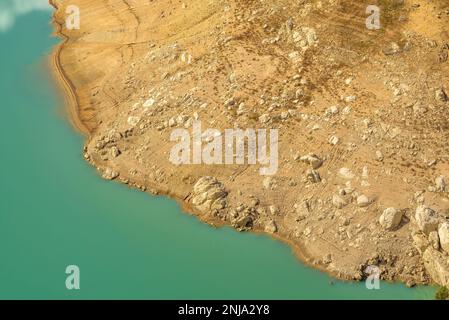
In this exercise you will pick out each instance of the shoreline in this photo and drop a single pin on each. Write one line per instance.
(62, 80)
(310, 252)
(72, 104)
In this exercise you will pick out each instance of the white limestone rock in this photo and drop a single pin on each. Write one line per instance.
(390, 218)
(443, 233)
(209, 195)
(426, 219)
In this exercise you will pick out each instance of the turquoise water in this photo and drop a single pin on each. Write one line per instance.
(56, 211)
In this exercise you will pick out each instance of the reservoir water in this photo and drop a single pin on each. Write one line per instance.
(56, 211)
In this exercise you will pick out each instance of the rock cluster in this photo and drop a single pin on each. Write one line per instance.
(432, 241)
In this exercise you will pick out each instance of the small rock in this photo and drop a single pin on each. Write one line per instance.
(307, 231)
(265, 118)
(254, 202)
(230, 102)
(244, 222)
(274, 210)
(350, 98)
(110, 174)
(379, 156)
(209, 194)
(327, 259)
(331, 111)
(363, 201)
(333, 140)
(172, 122)
(391, 49)
(440, 95)
(390, 218)
(269, 183)
(133, 121)
(346, 173)
(443, 233)
(313, 176)
(338, 202)
(114, 152)
(434, 240)
(149, 103)
(420, 242)
(271, 227)
(367, 123)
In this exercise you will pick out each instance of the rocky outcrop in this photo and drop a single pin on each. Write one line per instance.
(437, 266)
(433, 245)
(355, 135)
(209, 195)
(443, 233)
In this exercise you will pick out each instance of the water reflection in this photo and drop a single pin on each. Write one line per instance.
(11, 9)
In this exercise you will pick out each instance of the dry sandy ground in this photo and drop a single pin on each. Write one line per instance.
(362, 117)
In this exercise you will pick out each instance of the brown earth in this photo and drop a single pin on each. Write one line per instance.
(278, 64)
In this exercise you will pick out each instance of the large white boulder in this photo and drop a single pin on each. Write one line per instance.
(426, 219)
(209, 195)
(390, 218)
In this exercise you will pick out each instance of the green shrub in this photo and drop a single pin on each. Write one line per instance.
(442, 293)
